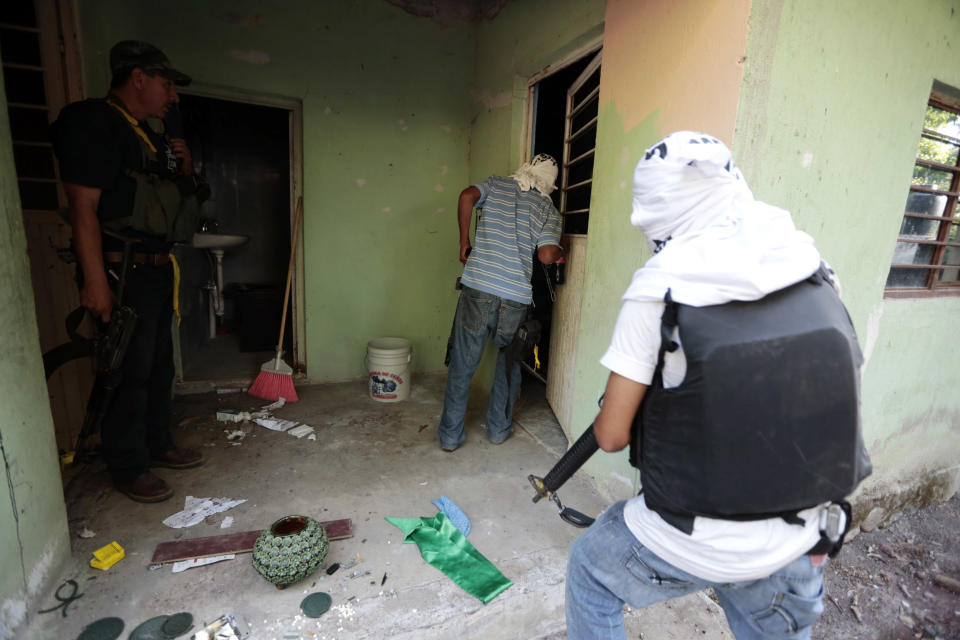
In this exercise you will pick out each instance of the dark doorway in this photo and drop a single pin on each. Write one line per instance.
(243, 151)
(549, 136)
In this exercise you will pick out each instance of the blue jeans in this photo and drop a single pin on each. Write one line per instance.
(480, 314)
(608, 567)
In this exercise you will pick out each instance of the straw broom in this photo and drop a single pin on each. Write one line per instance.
(275, 380)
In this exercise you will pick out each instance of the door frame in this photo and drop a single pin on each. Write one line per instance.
(295, 145)
(565, 61)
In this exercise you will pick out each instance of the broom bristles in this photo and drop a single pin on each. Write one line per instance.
(272, 386)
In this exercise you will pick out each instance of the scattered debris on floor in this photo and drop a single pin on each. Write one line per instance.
(235, 436)
(195, 510)
(276, 424)
(107, 556)
(303, 430)
(316, 604)
(229, 626)
(86, 533)
(183, 565)
(233, 415)
(274, 405)
(227, 522)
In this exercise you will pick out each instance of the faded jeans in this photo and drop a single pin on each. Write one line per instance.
(480, 314)
(608, 567)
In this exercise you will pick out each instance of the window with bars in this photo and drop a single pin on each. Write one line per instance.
(579, 146)
(926, 260)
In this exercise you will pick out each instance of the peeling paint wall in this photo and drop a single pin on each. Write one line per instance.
(666, 66)
(33, 525)
(386, 129)
(830, 114)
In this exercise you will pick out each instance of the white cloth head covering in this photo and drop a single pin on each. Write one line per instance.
(540, 174)
(712, 241)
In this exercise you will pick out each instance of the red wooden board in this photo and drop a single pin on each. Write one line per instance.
(232, 543)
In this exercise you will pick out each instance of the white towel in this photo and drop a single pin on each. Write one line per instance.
(713, 242)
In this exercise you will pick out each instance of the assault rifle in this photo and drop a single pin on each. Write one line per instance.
(108, 347)
(585, 446)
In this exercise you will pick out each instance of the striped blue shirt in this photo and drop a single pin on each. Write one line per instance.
(512, 224)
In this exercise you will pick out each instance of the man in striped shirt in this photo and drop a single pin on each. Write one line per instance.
(517, 217)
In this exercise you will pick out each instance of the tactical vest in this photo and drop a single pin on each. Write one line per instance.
(159, 207)
(766, 422)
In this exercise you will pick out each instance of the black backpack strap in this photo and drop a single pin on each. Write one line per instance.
(668, 322)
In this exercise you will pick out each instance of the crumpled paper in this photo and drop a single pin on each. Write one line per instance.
(195, 510)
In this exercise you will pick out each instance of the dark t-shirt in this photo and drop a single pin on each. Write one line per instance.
(94, 146)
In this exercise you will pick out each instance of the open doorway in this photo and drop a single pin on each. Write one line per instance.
(564, 125)
(231, 311)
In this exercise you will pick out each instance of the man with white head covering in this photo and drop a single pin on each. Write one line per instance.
(735, 381)
(517, 217)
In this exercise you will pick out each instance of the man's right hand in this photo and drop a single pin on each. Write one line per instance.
(95, 294)
(97, 297)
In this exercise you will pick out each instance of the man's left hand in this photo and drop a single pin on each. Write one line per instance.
(182, 151)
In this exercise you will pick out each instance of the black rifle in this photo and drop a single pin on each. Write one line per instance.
(585, 446)
(110, 349)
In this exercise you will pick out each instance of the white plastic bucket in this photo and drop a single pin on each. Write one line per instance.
(388, 361)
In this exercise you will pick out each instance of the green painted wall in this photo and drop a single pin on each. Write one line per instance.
(525, 38)
(33, 524)
(399, 115)
(386, 129)
(830, 114)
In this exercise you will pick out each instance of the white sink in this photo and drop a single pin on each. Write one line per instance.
(217, 240)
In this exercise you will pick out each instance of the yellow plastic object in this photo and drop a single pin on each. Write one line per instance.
(106, 557)
(67, 458)
(176, 286)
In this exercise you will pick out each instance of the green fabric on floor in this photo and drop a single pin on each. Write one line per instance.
(443, 546)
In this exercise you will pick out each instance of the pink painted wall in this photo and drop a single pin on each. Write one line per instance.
(682, 59)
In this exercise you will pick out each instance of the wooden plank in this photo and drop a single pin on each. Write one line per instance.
(232, 543)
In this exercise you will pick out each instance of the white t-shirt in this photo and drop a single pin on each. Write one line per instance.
(717, 550)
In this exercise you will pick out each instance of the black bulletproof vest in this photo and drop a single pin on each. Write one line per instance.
(766, 422)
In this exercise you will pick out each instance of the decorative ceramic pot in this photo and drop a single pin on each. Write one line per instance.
(290, 550)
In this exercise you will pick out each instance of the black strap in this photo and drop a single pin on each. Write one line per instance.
(828, 544)
(576, 518)
(668, 322)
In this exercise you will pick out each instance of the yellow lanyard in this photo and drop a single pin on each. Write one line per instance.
(133, 123)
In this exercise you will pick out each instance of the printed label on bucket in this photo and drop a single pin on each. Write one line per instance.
(383, 384)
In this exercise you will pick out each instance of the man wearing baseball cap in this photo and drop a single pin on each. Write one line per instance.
(124, 178)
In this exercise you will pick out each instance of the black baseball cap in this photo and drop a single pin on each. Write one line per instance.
(129, 54)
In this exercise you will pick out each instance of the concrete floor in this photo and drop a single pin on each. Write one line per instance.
(370, 460)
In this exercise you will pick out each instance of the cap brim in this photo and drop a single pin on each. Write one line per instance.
(178, 77)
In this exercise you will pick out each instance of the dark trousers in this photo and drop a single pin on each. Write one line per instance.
(136, 426)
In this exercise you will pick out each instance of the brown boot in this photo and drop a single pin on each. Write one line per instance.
(146, 488)
(179, 458)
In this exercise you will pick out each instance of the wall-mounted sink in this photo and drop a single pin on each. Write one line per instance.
(218, 240)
